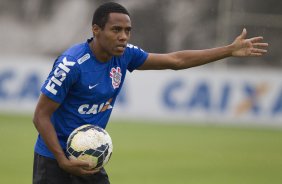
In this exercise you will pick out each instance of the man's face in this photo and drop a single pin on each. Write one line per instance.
(113, 38)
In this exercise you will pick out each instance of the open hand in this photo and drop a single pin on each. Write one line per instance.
(248, 47)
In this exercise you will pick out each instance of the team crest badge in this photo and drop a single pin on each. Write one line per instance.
(115, 74)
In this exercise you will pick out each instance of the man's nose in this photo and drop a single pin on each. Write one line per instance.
(123, 36)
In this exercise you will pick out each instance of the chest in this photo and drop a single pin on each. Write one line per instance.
(99, 86)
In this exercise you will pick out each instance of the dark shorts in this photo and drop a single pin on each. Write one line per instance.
(47, 171)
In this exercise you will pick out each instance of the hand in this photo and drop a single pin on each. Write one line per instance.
(77, 167)
(248, 47)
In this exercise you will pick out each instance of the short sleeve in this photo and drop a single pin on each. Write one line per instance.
(64, 74)
(137, 57)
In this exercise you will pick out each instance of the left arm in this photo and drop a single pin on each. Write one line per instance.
(241, 47)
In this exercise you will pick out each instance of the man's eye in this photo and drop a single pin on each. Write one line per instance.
(116, 30)
(127, 30)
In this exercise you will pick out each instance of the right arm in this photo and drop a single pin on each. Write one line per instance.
(42, 121)
(241, 47)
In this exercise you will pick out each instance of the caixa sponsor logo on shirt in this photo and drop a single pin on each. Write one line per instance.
(95, 108)
(59, 76)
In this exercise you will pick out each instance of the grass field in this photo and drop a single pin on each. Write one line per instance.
(151, 153)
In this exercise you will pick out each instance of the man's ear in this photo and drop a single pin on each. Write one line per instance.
(95, 30)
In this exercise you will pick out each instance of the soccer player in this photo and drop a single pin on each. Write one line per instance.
(86, 79)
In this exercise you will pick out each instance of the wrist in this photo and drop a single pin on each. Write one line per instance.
(230, 50)
(61, 159)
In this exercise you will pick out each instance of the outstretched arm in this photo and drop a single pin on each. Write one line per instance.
(241, 47)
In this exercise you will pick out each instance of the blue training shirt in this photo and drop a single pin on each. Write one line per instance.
(85, 88)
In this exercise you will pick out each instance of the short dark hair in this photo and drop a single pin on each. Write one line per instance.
(101, 14)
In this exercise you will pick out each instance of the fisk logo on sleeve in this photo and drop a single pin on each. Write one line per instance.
(59, 76)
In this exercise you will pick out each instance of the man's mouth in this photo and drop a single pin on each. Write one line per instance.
(121, 47)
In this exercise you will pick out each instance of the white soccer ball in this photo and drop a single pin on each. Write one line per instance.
(90, 143)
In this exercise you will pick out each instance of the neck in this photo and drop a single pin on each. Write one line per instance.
(101, 55)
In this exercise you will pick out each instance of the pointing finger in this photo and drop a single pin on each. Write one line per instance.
(255, 39)
(260, 44)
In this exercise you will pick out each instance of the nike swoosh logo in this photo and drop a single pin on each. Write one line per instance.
(91, 87)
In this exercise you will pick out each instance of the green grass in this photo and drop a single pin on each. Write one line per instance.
(152, 153)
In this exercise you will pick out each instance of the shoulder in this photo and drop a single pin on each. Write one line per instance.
(74, 56)
(133, 51)
(77, 52)
(133, 48)
(135, 57)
